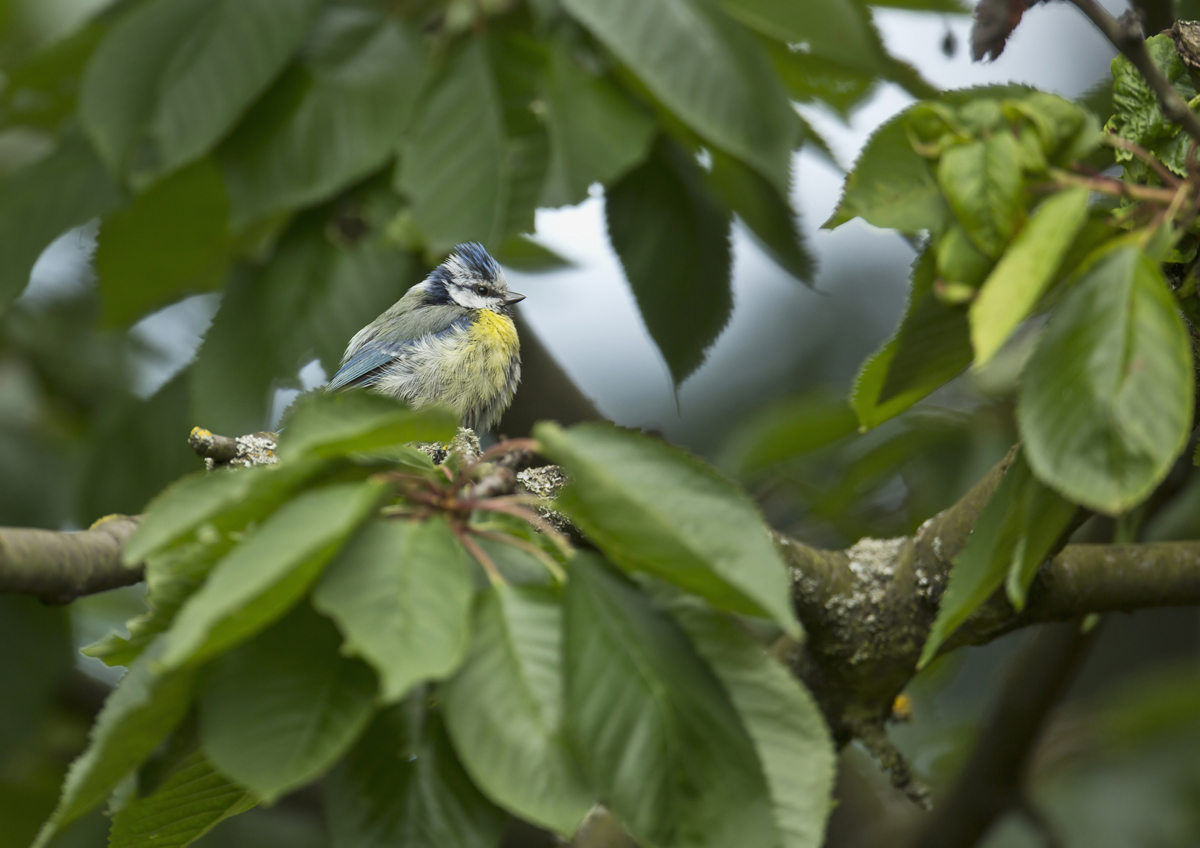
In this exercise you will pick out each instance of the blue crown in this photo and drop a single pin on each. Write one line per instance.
(477, 261)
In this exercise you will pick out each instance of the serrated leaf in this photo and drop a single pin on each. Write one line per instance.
(281, 709)
(714, 76)
(38, 203)
(1030, 263)
(334, 116)
(930, 347)
(672, 239)
(1105, 405)
(171, 241)
(401, 594)
(653, 728)
(192, 800)
(144, 707)
(403, 785)
(339, 423)
(504, 709)
(651, 507)
(765, 212)
(982, 181)
(784, 722)
(172, 77)
(597, 133)
(1138, 116)
(268, 571)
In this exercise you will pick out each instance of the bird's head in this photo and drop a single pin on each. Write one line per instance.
(471, 278)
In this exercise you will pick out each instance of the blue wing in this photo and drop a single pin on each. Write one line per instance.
(365, 367)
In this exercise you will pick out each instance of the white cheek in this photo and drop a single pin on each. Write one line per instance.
(468, 298)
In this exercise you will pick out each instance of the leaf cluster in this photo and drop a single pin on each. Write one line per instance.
(356, 615)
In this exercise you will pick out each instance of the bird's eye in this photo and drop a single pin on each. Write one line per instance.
(481, 290)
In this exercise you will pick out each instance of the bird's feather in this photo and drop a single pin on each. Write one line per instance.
(363, 368)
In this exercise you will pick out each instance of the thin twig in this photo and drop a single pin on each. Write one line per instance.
(489, 567)
(560, 541)
(528, 547)
(1126, 35)
(1164, 173)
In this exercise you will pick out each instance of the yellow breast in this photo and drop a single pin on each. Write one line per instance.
(494, 331)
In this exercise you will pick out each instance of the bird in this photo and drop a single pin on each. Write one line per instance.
(449, 340)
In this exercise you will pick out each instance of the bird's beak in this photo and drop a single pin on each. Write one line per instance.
(513, 297)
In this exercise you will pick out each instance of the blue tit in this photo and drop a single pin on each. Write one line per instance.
(449, 340)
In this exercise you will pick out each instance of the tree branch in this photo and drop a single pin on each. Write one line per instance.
(60, 567)
(1126, 35)
(991, 782)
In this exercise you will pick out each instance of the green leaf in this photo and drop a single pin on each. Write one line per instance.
(401, 593)
(192, 800)
(268, 571)
(982, 181)
(523, 254)
(1047, 515)
(42, 91)
(651, 507)
(810, 78)
(403, 785)
(171, 241)
(1106, 402)
(950, 7)
(281, 709)
(143, 708)
(1139, 118)
(228, 498)
(891, 185)
(714, 76)
(335, 115)
(452, 167)
(36, 660)
(597, 133)
(765, 212)
(931, 346)
(504, 710)
(43, 200)
(335, 424)
(654, 730)
(672, 238)
(172, 77)
(783, 720)
(980, 567)
(1025, 270)
(785, 430)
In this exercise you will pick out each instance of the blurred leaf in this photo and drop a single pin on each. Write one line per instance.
(960, 261)
(282, 708)
(765, 212)
(43, 200)
(335, 116)
(42, 90)
(654, 730)
(785, 430)
(452, 167)
(931, 346)
(401, 594)
(35, 657)
(403, 785)
(192, 800)
(951, 7)
(268, 571)
(811, 78)
(143, 708)
(672, 238)
(1025, 270)
(336, 424)
(891, 185)
(518, 63)
(1106, 402)
(505, 714)
(783, 720)
(172, 77)
(523, 254)
(597, 134)
(138, 446)
(714, 76)
(230, 383)
(651, 507)
(982, 181)
(171, 241)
